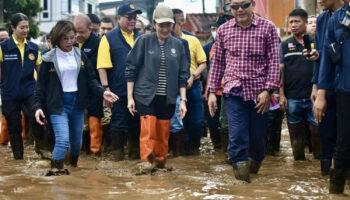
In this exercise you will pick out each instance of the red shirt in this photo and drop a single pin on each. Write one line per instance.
(246, 57)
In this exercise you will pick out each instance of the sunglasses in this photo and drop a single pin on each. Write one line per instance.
(243, 5)
(130, 17)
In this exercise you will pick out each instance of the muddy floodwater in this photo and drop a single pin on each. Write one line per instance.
(193, 177)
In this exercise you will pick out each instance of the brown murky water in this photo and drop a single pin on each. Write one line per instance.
(195, 177)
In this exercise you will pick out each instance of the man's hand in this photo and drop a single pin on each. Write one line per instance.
(313, 55)
(313, 93)
(190, 82)
(212, 103)
(109, 98)
(319, 108)
(263, 102)
(283, 103)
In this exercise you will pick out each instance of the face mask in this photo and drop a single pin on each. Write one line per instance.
(213, 33)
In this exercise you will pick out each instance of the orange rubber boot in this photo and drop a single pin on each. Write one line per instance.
(95, 126)
(161, 150)
(148, 138)
(4, 136)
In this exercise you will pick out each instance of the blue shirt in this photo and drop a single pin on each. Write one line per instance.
(321, 28)
(328, 74)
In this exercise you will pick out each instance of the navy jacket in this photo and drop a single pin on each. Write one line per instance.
(327, 74)
(17, 81)
(90, 48)
(119, 49)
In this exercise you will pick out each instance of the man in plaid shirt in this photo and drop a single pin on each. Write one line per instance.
(247, 57)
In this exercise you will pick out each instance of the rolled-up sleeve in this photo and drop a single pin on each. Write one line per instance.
(326, 74)
(273, 58)
(135, 60)
(218, 63)
(184, 72)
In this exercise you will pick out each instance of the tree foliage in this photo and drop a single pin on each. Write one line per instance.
(31, 8)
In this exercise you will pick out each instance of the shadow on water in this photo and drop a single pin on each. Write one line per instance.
(194, 177)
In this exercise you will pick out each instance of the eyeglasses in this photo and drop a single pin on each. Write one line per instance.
(130, 17)
(68, 39)
(243, 5)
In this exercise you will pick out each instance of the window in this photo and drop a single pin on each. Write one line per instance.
(89, 8)
(45, 13)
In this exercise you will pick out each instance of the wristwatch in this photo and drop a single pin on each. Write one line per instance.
(105, 86)
(183, 99)
(269, 91)
(194, 75)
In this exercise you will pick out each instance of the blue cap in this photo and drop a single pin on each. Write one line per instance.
(127, 9)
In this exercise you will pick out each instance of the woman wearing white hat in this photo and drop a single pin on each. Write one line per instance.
(157, 72)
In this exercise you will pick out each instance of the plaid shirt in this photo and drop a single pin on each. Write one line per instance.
(246, 57)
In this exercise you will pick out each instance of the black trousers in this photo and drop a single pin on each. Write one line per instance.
(342, 147)
(158, 108)
(12, 111)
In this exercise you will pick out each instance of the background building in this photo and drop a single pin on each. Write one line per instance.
(55, 10)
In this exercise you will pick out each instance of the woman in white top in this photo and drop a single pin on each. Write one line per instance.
(65, 78)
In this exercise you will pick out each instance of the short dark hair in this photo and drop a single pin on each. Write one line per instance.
(299, 12)
(94, 19)
(3, 29)
(60, 30)
(148, 27)
(107, 20)
(177, 11)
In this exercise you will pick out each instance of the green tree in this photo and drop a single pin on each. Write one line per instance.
(31, 8)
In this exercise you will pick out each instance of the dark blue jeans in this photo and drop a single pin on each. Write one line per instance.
(194, 119)
(328, 129)
(68, 127)
(247, 130)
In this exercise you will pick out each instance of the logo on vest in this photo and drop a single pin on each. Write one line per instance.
(132, 6)
(173, 52)
(87, 50)
(82, 64)
(31, 56)
(52, 70)
(151, 52)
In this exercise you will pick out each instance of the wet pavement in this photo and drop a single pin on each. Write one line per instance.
(193, 177)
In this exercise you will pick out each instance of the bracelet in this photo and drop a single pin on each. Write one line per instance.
(185, 100)
(105, 86)
(194, 75)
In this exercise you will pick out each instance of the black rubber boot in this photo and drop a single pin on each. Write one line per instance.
(337, 181)
(16, 146)
(241, 171)
(325, 166)
(178, 143)
(118, 142)
(315, 141)
(215, 138)
(57, 168)
(73, 160)
(296, 133)
(254, 166)
(134, 144)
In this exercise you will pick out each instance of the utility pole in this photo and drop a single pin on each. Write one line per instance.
(203, 6)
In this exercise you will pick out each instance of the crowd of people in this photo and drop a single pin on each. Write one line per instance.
(102, 88)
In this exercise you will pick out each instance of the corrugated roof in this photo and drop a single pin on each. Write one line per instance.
(199, 24)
